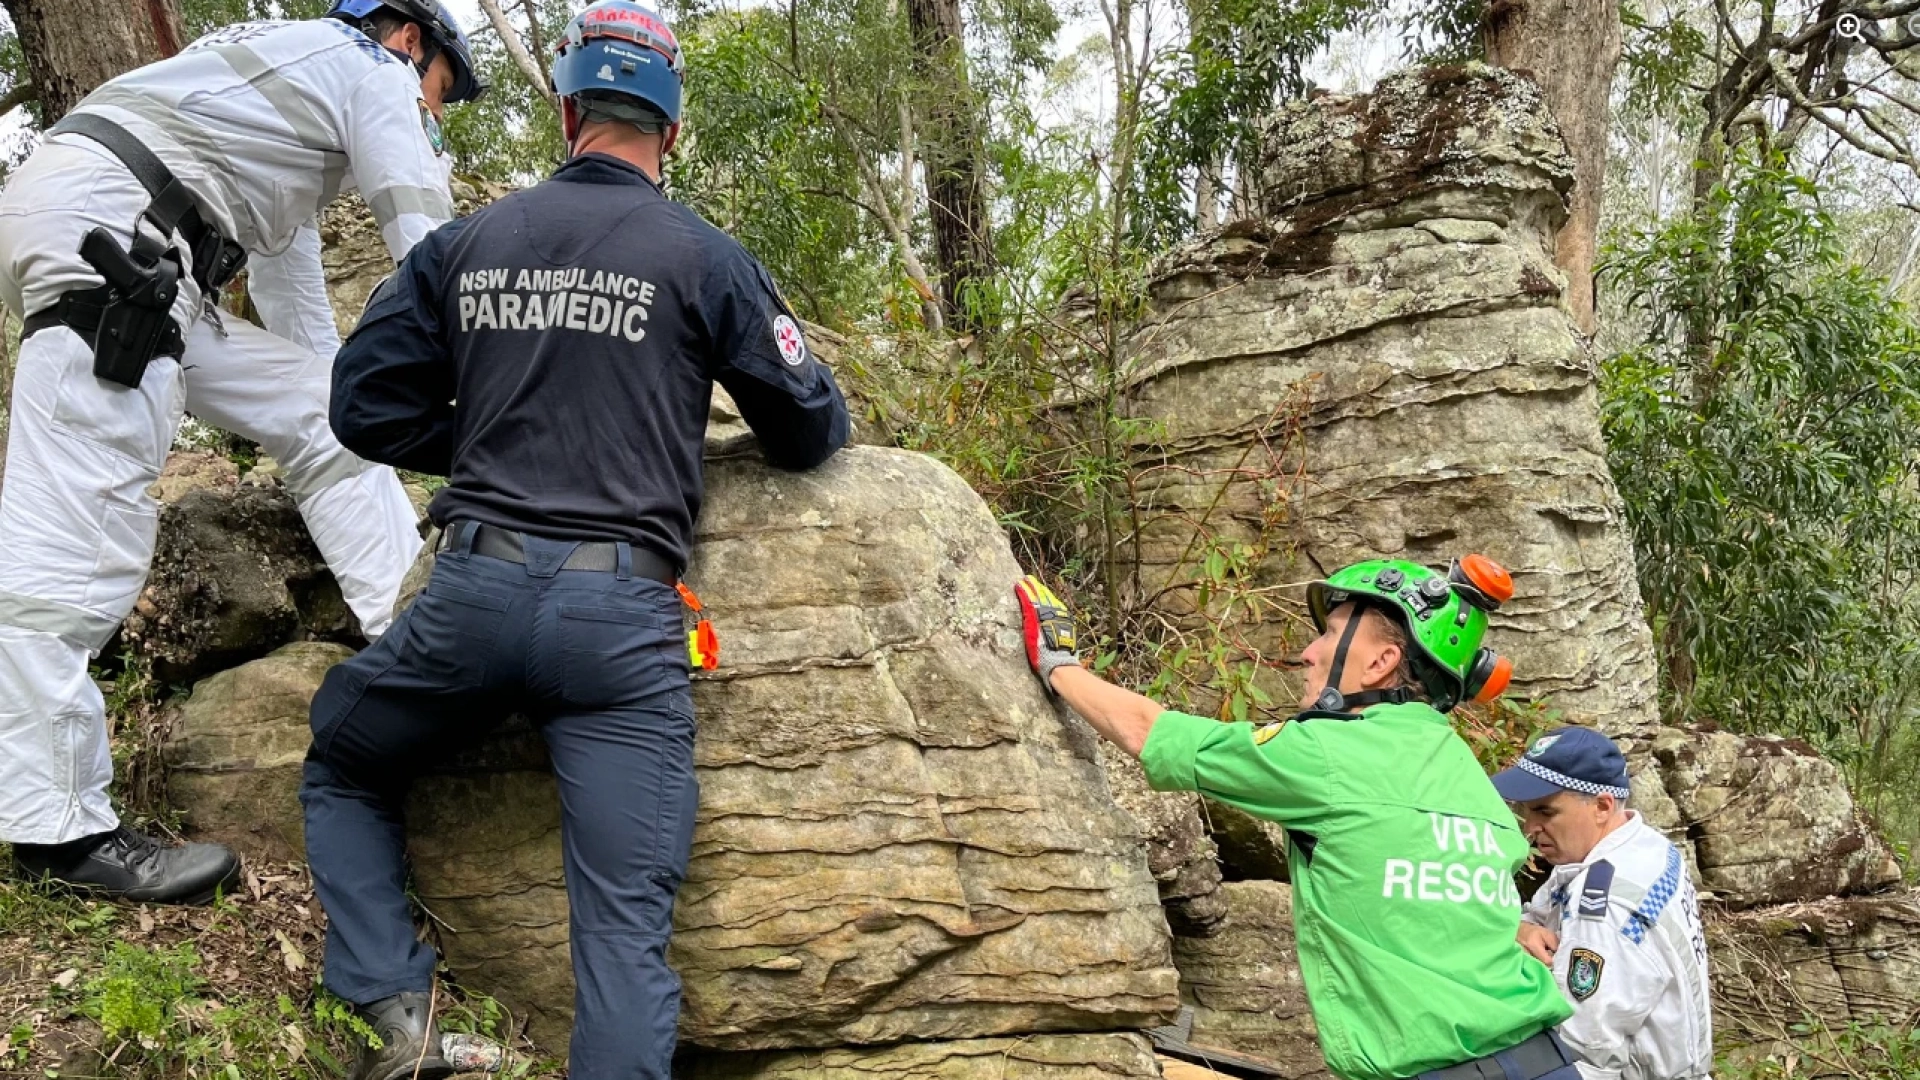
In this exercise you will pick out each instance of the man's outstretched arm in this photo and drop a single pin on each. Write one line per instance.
(1278, 772)
(1122, 716)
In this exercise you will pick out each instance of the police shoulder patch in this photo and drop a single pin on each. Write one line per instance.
(431, 125)
(1583, 973)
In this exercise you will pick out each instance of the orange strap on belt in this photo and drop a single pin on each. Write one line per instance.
(703, 645)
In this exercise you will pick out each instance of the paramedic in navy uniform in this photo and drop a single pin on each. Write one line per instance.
(553, 355)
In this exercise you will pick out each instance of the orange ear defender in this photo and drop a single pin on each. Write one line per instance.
(1483, 579)
(1490, 675)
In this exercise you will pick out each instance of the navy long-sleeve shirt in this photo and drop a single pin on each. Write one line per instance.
(554, 355)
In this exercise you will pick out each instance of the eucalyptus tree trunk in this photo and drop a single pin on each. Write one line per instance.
(72, 46)
(1569, 47)
(953, 149)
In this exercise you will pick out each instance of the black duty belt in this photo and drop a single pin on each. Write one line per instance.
(215, 258)
(601, 555)
(1534, 1058)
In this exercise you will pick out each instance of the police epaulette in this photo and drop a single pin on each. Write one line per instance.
(1593, 894)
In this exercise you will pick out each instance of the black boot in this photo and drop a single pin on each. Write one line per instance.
(133, 866)
(409, 1048)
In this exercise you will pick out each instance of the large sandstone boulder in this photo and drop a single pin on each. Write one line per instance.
(1180, 855)
(898, 838)
(1243, 983)
(1835, 961)
(235, 574)
(1763, 820)
(1032, 1057)
(235, 747)
(1381, 366)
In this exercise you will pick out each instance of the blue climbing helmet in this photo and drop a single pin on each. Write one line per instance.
(620, 47)
(443, 34)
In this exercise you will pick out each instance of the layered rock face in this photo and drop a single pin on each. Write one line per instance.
(1837, 961)
(899, 838)
(1381, 365)
(1243, 983)
(1033, 1057)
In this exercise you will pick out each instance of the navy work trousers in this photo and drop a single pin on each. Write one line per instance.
(599, 660)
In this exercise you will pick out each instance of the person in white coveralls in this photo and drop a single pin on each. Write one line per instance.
(115, 237)
(1618, 920)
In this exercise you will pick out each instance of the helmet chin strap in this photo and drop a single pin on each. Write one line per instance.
(1331, 700)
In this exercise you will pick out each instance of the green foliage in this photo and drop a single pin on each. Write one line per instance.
(1662, 61)
(1242, 58)
(1440, 31)
(142, 990)
(1859, 1051)
(1763, 435)
(761, 163)
(156, 1007)
(510, 136)
(203, 16)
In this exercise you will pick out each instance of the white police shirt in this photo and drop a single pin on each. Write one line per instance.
(1632, 958)
(266, 122)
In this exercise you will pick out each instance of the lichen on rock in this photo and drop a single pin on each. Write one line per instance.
(1768, 819)
(234, 576)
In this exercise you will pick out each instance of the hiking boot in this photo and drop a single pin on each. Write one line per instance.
(409, 1048)
(130, 865)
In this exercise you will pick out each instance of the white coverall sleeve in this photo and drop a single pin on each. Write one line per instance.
(290, 291)
(1613, 983)
(393, 160)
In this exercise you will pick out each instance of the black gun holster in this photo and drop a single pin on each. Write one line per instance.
(129, 320)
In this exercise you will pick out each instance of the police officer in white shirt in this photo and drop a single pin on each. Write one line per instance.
(115, 238)
(1618, 919)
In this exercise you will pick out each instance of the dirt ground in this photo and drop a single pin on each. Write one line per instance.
(229, 991)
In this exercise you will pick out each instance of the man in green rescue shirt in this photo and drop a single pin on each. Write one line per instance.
(1402, 854)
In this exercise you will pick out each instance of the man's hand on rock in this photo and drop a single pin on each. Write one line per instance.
(1540, 942)
(1048, 627)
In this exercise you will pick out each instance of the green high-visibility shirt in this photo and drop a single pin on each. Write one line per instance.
(1404, 906)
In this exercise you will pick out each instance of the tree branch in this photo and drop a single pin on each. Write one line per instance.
(1784, 82)
(517, 49)
(22, 93)
(540, 46)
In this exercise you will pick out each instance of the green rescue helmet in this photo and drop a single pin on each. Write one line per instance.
(1445, 617)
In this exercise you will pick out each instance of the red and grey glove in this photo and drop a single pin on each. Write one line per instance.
(1048, 628)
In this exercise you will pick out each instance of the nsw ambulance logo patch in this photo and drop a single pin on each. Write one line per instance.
(1583, 973)
(793, 347)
